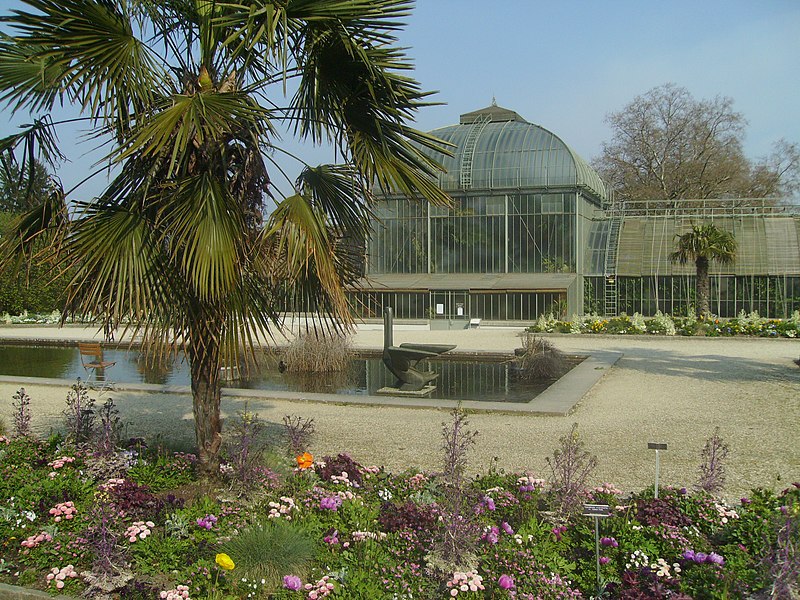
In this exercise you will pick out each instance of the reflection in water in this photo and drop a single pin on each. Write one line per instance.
(41, 361)
(155, 369)
(467, 380)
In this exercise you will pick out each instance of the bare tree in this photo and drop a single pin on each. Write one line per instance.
(669, 146)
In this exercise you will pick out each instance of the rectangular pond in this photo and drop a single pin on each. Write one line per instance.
(460, 378)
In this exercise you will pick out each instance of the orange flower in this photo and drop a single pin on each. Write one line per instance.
(305, 461)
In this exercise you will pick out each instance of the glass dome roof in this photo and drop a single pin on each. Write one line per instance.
(495, 148)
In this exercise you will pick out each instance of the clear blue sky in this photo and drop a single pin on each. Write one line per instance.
(565, 64)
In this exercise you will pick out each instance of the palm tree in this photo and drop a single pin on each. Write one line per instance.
(187, 96)
(701, 245)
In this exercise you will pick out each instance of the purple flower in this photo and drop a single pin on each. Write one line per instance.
(332, 538)
(558, 531)
(507, 528)
(609, 541)
(292, 582)
(492, 536)
(206, 522)
(745, 501)
(489, 502)
(330, 503)
(700, 557)
(715, 559)
(604, 560)
(506, 582)
(689, 555)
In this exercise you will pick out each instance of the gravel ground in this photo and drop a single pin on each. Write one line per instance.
(672, 390)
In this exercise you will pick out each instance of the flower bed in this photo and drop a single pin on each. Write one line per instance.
(660, 324)
(135, 523)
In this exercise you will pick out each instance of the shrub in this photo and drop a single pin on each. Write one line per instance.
(108, 434)
(661, 324)
(335, 466)
(539, 360)
(454, 547)
(318, 354)
(135, 500)
(661, 511)
(420, 518)
(544, 324)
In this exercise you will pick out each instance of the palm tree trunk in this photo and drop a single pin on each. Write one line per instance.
(204, 358)
(703, 286)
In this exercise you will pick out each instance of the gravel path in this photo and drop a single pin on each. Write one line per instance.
(673, 390)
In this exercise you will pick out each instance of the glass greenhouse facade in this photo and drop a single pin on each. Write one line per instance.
(510, 246)
(765, 277)
(530, 232)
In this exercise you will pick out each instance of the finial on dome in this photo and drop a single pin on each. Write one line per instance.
(494, 101)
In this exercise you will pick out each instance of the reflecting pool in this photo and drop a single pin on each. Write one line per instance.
(489, 381)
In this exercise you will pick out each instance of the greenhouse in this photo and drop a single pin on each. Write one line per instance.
(532, 231)
(631, 271)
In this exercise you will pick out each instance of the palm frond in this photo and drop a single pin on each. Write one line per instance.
(298, 246)
(183, 123)
(90, 48)
(205, 226)
(47, 223)
(28, 78)
(354, 93)
(38, 140)
(119, 268)
(705, 241)
(339, 192)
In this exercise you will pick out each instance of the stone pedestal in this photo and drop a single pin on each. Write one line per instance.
(425, 392)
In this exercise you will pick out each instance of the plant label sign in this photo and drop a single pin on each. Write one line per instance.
(596, 510)
(655, 446)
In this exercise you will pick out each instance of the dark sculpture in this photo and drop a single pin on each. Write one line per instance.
(402, 360)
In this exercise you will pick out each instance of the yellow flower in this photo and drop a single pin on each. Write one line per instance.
(225, 561)
(305, 461)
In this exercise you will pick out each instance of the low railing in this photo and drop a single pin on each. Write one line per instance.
(707, 207)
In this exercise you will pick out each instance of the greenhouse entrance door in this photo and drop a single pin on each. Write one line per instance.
(449, 309)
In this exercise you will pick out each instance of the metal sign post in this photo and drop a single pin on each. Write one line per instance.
(597, 512)
(657, 447)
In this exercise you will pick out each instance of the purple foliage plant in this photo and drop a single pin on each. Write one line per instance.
(108, 434)
(298, 433)
(784, 559)
(571, 466)
(246, 446)
(454, 548)
(79, 414)
(22, 414)
(712, 468)
(110, 569)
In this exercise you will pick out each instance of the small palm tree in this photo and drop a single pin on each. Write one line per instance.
(188, 97)
(701, 245)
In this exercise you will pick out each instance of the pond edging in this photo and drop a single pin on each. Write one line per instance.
(15, 592)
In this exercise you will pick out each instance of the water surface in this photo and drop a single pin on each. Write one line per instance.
(458, 379)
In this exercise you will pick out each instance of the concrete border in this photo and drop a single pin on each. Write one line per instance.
(15, 592)
(557, 400)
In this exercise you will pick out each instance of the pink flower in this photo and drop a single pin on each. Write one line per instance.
(506, 582)
(292, 582)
